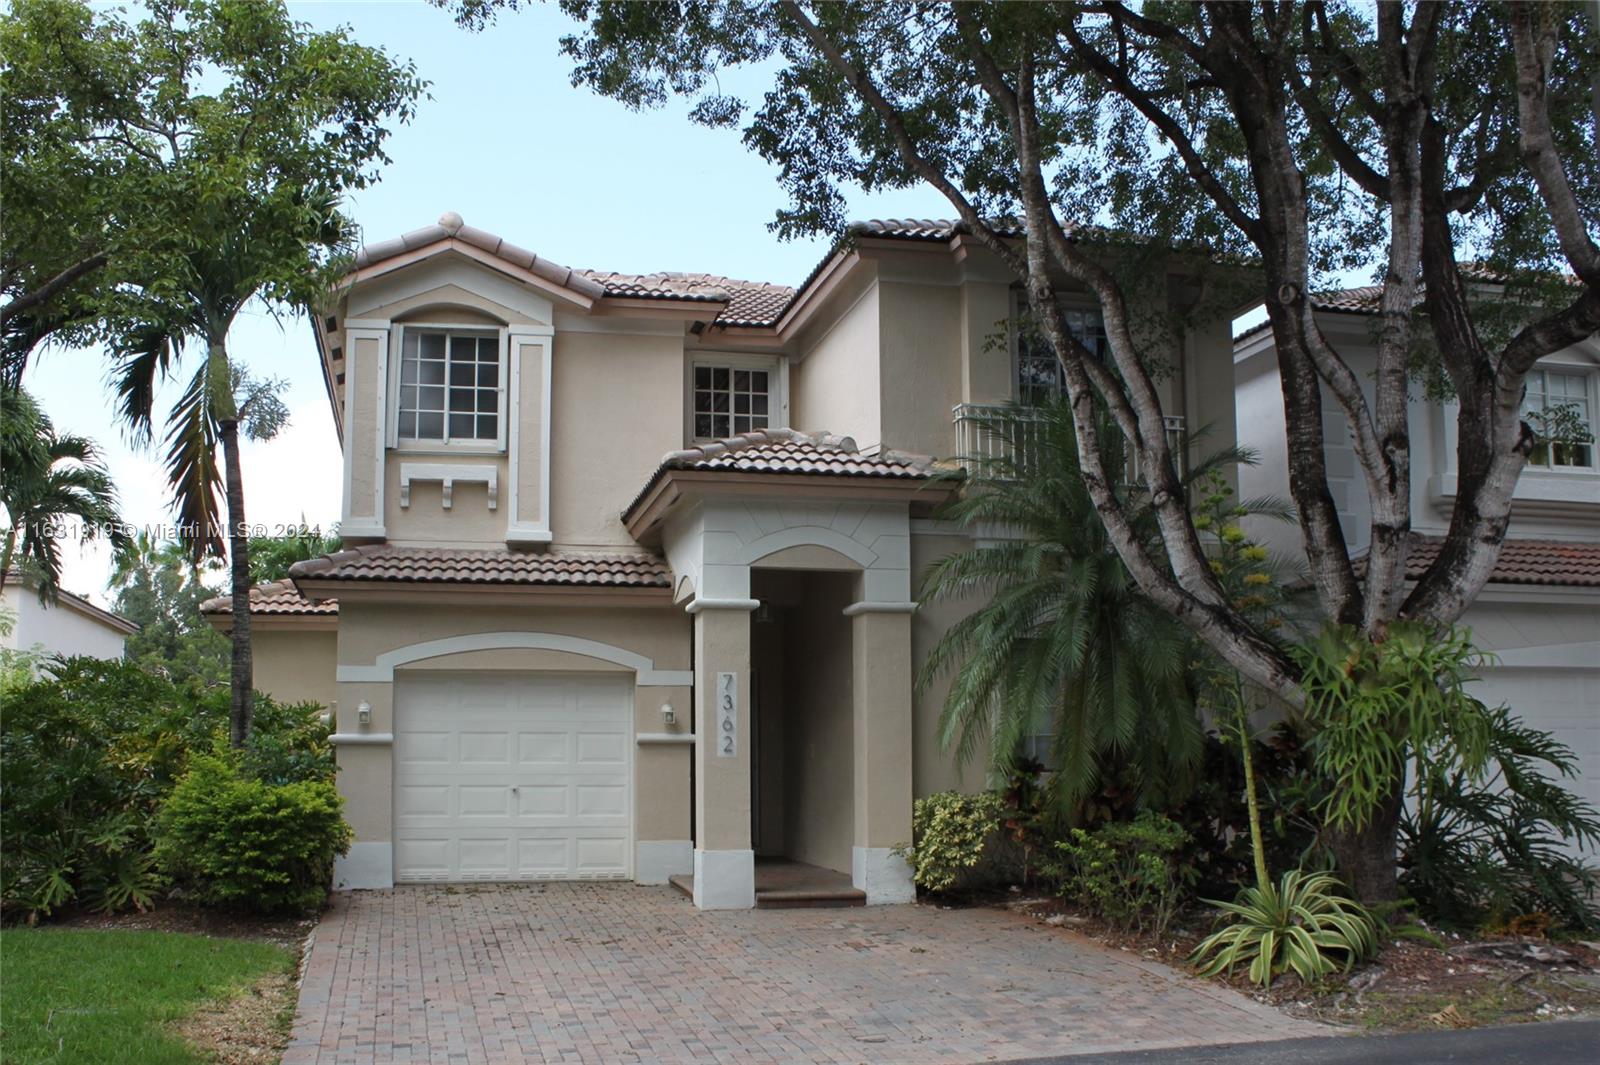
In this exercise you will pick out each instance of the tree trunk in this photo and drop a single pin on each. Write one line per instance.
(5, 558)
(1368, 857)
(242, 711)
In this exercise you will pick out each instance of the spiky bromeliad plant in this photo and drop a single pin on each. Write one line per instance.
(1305, 923)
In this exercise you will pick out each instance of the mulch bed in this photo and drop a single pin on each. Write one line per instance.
(1409, 986)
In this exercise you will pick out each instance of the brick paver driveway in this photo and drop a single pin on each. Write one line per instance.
(620, 973)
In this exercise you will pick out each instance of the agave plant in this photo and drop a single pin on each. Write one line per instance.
(1305, 923)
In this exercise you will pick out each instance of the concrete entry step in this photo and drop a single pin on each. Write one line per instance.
(784, 885)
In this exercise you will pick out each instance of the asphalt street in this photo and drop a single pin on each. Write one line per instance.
(1577, 1042)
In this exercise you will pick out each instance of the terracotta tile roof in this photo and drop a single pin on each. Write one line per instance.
(749, 302)
(789, 451)
(925, 228)
(1365, 298)
(450, 226)
(441, 565)
(277, 598)
(1550, 562)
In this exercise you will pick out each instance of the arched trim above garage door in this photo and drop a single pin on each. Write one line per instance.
(382, 670)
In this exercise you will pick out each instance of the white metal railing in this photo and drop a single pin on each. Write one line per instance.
(987, 432)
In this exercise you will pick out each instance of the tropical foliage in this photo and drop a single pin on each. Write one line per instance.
(1303, 924)
(271, 556)
(951, 834)
(53, 486)
(1485, 850)
(90, 753)
(241, 842)
(159, 586)
(1132, 873)
(1062, 642)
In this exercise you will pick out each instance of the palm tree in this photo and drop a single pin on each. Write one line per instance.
(1064, 642)
(48, 478)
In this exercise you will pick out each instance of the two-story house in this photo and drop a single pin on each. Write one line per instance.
(630, 584)
(1540, 613)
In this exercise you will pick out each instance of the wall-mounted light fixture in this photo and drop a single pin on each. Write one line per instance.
(669, 716)
(364, 712)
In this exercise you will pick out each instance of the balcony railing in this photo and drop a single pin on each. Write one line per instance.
(986, 433)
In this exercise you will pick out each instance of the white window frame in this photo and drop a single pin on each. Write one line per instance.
(447, 446)
(1019, 306)
(775, 367)
(1591, 380)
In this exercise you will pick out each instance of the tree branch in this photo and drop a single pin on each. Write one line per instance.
(1533, 56)
(53, 287)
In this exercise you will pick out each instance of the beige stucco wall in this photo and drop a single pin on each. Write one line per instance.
(617, 407)
(835, 385)
(362, 385)
(986, 357)
(921, 339)
(933, 768)
(819, 741)
(425, 522)
(296, 666)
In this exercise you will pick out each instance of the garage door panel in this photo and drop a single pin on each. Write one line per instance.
(599, 855)
(544, 748)
(423, 748)
(425, 859)
(500, 778)
(485, 748)
(419, 800)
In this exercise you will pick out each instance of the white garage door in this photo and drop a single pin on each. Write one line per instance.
(512, 777)
(1562, 702)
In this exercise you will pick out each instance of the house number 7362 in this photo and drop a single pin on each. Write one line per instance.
(727, 715)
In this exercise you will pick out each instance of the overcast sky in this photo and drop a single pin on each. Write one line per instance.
(511, 145)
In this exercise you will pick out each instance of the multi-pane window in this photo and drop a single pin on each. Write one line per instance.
(729, 400)
(449, 386)
(1039, 376)
(1559, 407)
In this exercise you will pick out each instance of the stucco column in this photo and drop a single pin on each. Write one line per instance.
(365, 754)
(882, 694)
(724, 863)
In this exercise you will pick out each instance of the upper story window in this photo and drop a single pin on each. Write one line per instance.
(1039, 375)
(1560, 406)
(450, 386)
(729, 399)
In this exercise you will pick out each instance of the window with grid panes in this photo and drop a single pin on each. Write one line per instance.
(1039, 376)
(449, 386)
(729, 400)
(1559, 407)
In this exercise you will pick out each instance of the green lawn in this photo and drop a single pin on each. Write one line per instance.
(85, 996)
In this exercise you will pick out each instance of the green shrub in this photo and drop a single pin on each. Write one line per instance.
(244, 843)
(951, 832)
(87, 754)
(1305, 923)
(1129, 872)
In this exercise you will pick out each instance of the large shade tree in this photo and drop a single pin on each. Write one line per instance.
(235, 131)
(1313, 137)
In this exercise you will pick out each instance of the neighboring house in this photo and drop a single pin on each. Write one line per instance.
(1540, 613)
(69, 626)
(555, 653)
